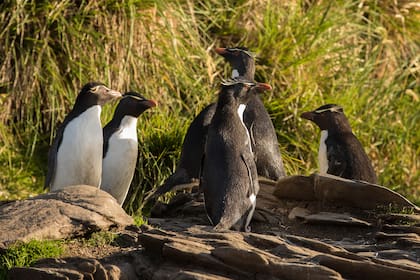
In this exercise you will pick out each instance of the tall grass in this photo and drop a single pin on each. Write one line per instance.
(361, 55)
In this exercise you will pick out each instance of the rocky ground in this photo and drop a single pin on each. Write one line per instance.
(304, 228)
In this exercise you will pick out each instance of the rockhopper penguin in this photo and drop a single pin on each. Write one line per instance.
(75, 157)
(256, 118)
(340, 152)
(120, 145)
(229, 176)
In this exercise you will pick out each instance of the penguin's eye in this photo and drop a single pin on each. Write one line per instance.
(94, 89)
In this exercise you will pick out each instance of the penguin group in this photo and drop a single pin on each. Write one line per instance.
(228, 145)
(84, 153)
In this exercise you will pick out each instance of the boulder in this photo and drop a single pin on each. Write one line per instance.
(73, 211)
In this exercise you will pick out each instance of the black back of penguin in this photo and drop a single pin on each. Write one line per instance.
(340, 151)
(229, 177)
(120, 145)
(67, 163)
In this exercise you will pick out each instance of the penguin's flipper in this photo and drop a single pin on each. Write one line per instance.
(252, 191)
(52, 157)
(251, 134)
(200, 172)
(337, 160)
(248, 160)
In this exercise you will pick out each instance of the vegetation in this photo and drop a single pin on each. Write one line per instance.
(362, 55)
(25, 254)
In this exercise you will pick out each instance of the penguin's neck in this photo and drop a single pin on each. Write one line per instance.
(322, 153)
(128, 128)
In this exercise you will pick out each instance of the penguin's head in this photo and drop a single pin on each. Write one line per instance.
(97, 94)
(328, 117)
(134, 104)
(239, 90)
(241, 60)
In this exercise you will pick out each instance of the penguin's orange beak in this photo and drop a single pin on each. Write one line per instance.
(263, 87)
(220, 51)
(151, 103)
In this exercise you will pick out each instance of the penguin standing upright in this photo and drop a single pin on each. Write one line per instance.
(340, 152)
(120, 145)
(256, 118)
(229, 175)
(75, 157)
(265, 144)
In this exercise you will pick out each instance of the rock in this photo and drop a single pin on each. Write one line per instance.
(335, 218)
(298, 213)
(383, 235)
(71, 212)
(354, 269)
(402, 228)
(290, 240)
(393, 217)
(329, 188)
(295, 187)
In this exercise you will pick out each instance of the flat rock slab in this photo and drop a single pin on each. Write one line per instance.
(71, 212)
(335, 218)
(329, 188)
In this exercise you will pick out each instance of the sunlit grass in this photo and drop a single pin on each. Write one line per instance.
(25, 254)
(361, 55)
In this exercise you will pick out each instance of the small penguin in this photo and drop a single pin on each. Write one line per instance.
(340, 152)
(120, 145)
(229, 175)
(75, 157)
(257, 120)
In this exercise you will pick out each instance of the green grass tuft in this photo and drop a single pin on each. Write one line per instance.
(101, 238)
(25, 254)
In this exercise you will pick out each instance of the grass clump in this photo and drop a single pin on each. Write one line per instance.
(100, 238)
(25, 254)
(361, 55)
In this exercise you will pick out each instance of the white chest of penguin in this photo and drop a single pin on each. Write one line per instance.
(121, 156)
(80, 153)
(322, 153)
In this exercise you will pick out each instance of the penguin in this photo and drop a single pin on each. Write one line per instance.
(75, 157)
(257, 120)
(188, 169)
(241, 61)
(229, 177)
(120, 145)
(265, 143)
(340, 152)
